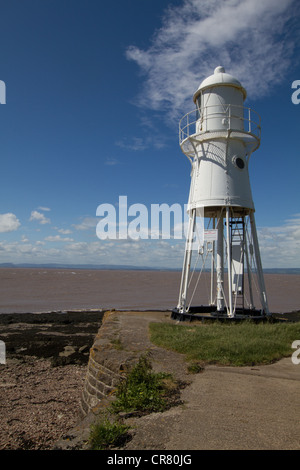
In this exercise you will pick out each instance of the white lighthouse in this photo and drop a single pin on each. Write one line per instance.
(218, 137)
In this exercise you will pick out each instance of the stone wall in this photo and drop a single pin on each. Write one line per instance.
(108, 362)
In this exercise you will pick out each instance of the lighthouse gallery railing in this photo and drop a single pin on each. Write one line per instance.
(230, 117)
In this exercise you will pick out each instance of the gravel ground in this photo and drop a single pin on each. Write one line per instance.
(39, 403)
(42, 380)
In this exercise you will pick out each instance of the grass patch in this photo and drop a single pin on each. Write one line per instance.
(238, 344)
(142, 389)
(195, 368)
(106, 434)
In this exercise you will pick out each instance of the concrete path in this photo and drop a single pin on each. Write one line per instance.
(240, 409)
(224, 407)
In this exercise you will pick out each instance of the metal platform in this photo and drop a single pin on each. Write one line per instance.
(202, 313)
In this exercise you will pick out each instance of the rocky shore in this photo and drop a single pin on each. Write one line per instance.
(42, 379)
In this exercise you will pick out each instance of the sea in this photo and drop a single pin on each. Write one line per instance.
(33, 290)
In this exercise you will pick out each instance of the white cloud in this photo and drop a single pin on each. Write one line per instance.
(280, 246)
(132, 143)
(39, 217)
(8, 222)
(86, 224)
(111, 162)
(158, 253)
(64, 231)
(58, 238)
(153, 138)
(45, 209)
(252, 39)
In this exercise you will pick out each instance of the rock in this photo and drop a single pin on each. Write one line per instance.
(84, 349)
(68, 351)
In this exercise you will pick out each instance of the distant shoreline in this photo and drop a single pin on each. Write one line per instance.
(106, 267)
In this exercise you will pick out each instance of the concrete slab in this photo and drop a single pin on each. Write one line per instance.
(224, 407)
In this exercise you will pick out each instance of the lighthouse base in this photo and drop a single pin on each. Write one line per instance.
(208, 312)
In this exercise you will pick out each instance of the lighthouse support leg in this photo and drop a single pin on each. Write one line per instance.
(251, 305)
(261, 282)
(229, 267)
(186, 263)
(220, 265)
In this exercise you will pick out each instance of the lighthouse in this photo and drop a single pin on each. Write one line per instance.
(219, 136)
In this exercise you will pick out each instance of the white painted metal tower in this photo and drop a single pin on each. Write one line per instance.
(218, 137)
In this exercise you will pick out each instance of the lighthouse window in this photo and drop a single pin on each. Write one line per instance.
(239, 162)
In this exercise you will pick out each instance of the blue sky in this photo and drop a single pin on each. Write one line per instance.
(94, 93)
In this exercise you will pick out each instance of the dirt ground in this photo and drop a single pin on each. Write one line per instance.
(42, 380)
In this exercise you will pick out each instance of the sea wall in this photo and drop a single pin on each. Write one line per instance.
(108, 362)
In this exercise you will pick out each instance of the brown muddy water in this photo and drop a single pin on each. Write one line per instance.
(43, 290)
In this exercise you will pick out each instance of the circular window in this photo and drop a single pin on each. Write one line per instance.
(239, 162)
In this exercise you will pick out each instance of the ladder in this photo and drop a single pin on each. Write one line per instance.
(237, 240)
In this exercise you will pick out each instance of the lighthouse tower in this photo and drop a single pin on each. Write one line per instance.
(218, 137)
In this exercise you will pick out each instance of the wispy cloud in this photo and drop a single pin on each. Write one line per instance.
(63, 230)
(86, 223)
(253, 39)
(58, 238)
(111, 161)
(134, 143)
(39, 217)
(154, 138)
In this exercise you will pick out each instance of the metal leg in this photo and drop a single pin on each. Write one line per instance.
(248, 270)
(262, 288)
(212, 269)
(230, 313)
(186, 263)
(220, 265)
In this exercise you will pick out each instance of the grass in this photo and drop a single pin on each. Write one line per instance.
(106, 434)
(142, 389)
(237, 344)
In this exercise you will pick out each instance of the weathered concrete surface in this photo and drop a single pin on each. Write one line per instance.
(230, 409)
(224, 407)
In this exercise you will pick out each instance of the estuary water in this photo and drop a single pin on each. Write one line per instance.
(41, 290)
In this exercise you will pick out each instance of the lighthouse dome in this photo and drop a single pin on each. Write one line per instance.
(221, 78)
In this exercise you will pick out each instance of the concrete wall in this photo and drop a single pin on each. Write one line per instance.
(108, 362)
